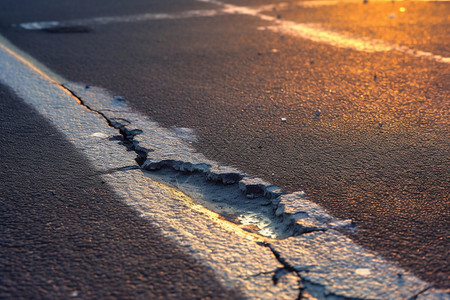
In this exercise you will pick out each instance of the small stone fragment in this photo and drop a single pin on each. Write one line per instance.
(98, 134)
(74, 294)
(363, 271)
(318, 113)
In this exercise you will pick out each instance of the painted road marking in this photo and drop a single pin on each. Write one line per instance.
(119, 19)
(324, 264)
(313, 32)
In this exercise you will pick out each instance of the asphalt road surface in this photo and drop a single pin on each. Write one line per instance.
(66, 234)
(366, 134)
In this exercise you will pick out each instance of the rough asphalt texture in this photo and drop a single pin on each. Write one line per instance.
(378, 154)
(64, 234)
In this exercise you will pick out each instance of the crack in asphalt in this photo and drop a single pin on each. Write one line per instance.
(226, 178)
(127, 139)
(126, 135)
(250, 187)
(286, 269)
(420, 293)
(312, 289)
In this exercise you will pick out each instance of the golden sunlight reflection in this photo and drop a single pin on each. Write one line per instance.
(241, 230)
(399, 23)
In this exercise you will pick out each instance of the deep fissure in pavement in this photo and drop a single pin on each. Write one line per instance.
(255, 214)
(252, 204)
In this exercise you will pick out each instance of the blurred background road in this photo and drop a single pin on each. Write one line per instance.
(291, 92)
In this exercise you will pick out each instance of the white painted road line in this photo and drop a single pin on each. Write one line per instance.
(119, 19)
(315, 33)
(325, 264)
(318, 34)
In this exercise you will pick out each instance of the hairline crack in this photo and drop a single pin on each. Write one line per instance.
(126, 134)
